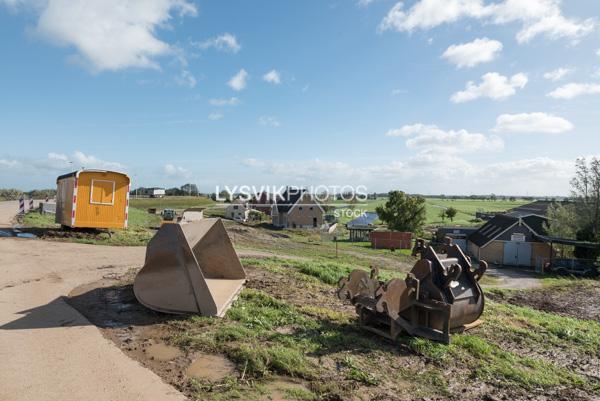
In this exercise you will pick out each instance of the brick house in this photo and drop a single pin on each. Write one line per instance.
(296, 208)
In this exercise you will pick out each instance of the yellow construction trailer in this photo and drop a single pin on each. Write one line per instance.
(92, 199)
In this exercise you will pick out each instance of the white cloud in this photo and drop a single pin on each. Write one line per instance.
(238, 81)
(493, 86)
(598, 52)
(572, 90)
(232, 101)
(186, 78)
(559, 73)
(175, 171)
(470, 54)
(215, 116)
(272, 77)
(364, 3)
(269, 121)
(532, 123)
(62, 162)
(89, 161)
(226, 42)
(430, 138)
(397, 92)
(252, 162)
(450, 173)
(541, 175)
(538, 17)
(7, 163)
(108, 34)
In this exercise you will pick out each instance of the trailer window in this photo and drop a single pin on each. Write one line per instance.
(102, 192)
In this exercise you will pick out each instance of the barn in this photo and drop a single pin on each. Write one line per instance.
(92, 199)
(513, 239)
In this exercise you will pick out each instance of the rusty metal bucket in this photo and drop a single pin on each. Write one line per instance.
(190, 268)
(438, 297)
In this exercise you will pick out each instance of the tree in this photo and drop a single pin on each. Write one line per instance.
(225, 195)
(562, 223)
(173, 192)
(451, 213)
(402, 212)
(586, 193)
(443, 214)
(189, 189)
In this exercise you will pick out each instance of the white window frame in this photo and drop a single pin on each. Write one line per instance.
(112, 203)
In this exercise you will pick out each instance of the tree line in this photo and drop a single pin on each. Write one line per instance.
(15, 194)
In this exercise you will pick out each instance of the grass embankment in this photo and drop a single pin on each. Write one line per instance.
(141, 228)
(309, 244)
(519, 350)
(328, 272)
(171, 202)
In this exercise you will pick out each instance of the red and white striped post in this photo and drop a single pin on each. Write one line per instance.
(127, 206)
(74, 202)
(30, 204)
(21, 206)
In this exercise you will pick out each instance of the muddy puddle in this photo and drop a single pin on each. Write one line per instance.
(213, 368)
(141, 333)
(162, 352)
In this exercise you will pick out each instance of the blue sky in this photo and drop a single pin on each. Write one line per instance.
(428, 96)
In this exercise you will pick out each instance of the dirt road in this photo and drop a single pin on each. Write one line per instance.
(49, 351)
(512, 278)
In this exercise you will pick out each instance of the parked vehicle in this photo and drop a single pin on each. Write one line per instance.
(565, 267)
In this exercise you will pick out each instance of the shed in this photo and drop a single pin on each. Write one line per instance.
(92, 199)
(361, 227)
(511, 240)
(391, 240)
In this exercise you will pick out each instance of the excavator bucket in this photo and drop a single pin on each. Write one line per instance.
(190, 268)
(441, 295)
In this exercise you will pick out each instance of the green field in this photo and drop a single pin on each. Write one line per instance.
(171, 202)
(466, 209)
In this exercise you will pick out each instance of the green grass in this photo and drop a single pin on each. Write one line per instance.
(139, 232)
(248, 336)
(171, 202)
(328, 272)
(466, 209)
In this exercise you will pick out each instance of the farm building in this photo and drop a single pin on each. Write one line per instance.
(156, 192)
(238, 211)
(391, 240)
(297, 209)
(263, 203)
(92, 199)
(361, 227)
(459, 235)
(511, 239)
